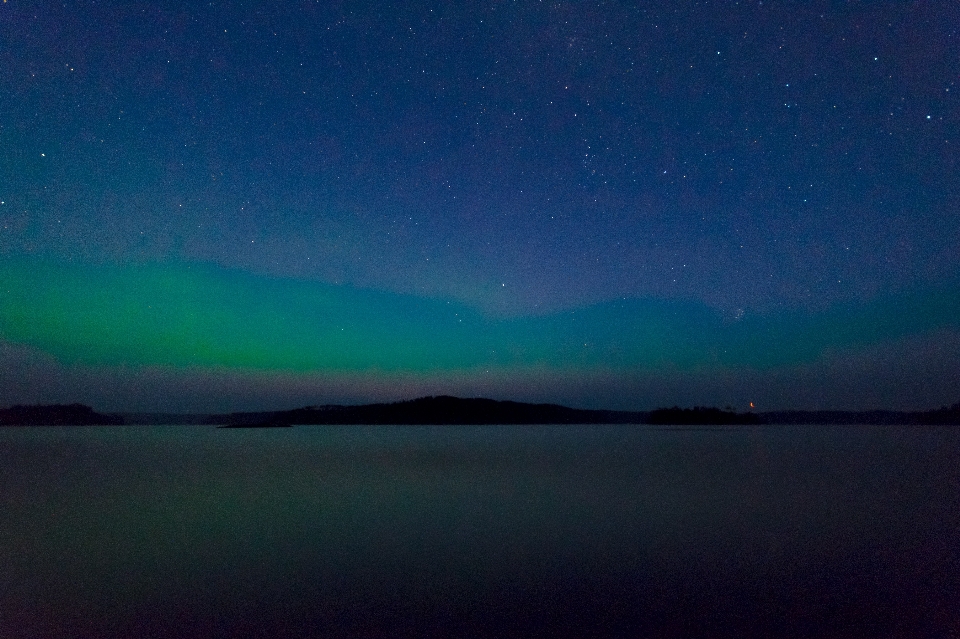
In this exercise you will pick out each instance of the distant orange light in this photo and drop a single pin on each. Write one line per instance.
(751, 404)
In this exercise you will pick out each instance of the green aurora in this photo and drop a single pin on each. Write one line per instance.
(202, 316)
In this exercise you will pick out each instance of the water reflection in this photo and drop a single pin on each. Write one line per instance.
(479, 531)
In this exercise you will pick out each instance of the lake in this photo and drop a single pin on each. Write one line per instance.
(479, 531)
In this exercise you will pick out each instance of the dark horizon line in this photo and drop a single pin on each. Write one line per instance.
(445, 409)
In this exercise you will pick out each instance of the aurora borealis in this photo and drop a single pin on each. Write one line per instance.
(208, 321)
(230, 206)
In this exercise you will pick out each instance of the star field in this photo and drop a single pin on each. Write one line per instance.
(753, 165)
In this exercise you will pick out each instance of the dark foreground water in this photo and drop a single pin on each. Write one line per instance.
(605, 531)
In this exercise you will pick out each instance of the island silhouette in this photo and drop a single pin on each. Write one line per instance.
(447, 410)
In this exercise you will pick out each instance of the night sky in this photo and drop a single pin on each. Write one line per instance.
(245, 205)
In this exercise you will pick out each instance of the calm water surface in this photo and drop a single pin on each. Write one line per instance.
(490, 531)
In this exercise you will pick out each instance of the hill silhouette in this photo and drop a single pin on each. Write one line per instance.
(434, 411)
(453, 410)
